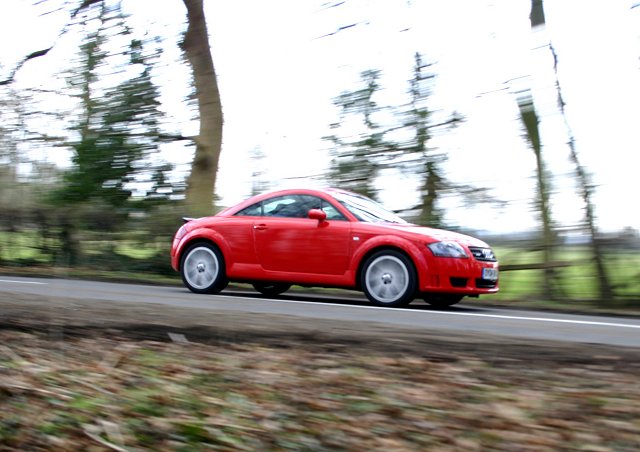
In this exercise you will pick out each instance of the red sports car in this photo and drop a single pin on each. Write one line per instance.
(331, 238)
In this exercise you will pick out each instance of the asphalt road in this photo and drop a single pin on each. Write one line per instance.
(462, 318)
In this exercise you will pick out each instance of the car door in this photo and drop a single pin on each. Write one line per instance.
(287, 240)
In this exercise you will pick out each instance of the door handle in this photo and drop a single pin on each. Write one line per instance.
(260, 227)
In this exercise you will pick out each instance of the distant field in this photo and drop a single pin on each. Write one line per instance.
(577, 280)
(29, 246)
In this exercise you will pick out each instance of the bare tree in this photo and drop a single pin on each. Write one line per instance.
(530, 120)
(201, 182)
(586, 188)
(583, 179)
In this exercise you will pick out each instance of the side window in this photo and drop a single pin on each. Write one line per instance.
(313, 202)
(291, 206)
(254, 210)
(332, 212)
(284, 206)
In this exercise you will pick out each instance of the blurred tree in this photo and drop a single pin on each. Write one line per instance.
(537, 14)
(118, 128)
(10, 120)
(10, 189)
(362, 147)
(259, 183)
(358, 147)
(78, 7)
(416, 120)
(202, 180)
(415, 155)
(606, 293)
(585, 186)
(530, 120)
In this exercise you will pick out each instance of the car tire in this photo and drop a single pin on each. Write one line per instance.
(441, 300)
(271, 289)
(202, 269)
(388, 278)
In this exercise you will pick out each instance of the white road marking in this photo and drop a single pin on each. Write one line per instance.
(465, 314)
(543, 319)
(10, 281)
(414, 311)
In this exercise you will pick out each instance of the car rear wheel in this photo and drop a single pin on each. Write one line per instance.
(202, 269)
(389, 279)
(271, 289)
(441, 300)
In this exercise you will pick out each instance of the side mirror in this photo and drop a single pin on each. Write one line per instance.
(317, 214)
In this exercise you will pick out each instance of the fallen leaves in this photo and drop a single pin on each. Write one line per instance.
(117, 394)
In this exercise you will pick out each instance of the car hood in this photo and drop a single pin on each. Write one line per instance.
(435, 235)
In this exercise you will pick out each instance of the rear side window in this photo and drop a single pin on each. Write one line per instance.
(284, 206)
(254, 210)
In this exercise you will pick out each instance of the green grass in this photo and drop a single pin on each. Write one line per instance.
(102, 255)
(577, 281)
(22, 246)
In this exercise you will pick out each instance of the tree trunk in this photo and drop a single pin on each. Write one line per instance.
(606, 292)
(201, 182)
(548, 236)
(605, 289)
(429, 215)
(530, 120)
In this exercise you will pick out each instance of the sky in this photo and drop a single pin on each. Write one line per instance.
(281, 63)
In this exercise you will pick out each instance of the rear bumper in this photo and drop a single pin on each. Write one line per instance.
(174, 254)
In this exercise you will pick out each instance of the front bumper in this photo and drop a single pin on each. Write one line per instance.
(459, 276)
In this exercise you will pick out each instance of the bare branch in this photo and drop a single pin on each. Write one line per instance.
(84, 5)
(39, 53)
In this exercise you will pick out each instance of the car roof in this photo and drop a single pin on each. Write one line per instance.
(307, 190)
(331, 191)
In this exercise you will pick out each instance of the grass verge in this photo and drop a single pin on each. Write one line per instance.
(113, 393)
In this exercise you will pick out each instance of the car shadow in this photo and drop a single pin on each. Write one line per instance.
(351, 300)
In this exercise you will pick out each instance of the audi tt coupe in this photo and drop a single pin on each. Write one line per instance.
(331, 238)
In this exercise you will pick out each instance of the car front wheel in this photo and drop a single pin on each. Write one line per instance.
(389, 279)
(202, 269)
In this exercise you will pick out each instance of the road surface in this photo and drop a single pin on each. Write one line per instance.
(463, 318)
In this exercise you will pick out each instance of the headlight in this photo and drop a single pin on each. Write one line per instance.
(447, 249)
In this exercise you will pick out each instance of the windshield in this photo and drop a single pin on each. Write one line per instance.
(366, 209)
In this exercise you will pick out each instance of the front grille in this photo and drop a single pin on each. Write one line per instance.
(483, 254)
(485, 283)
(458, 282)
